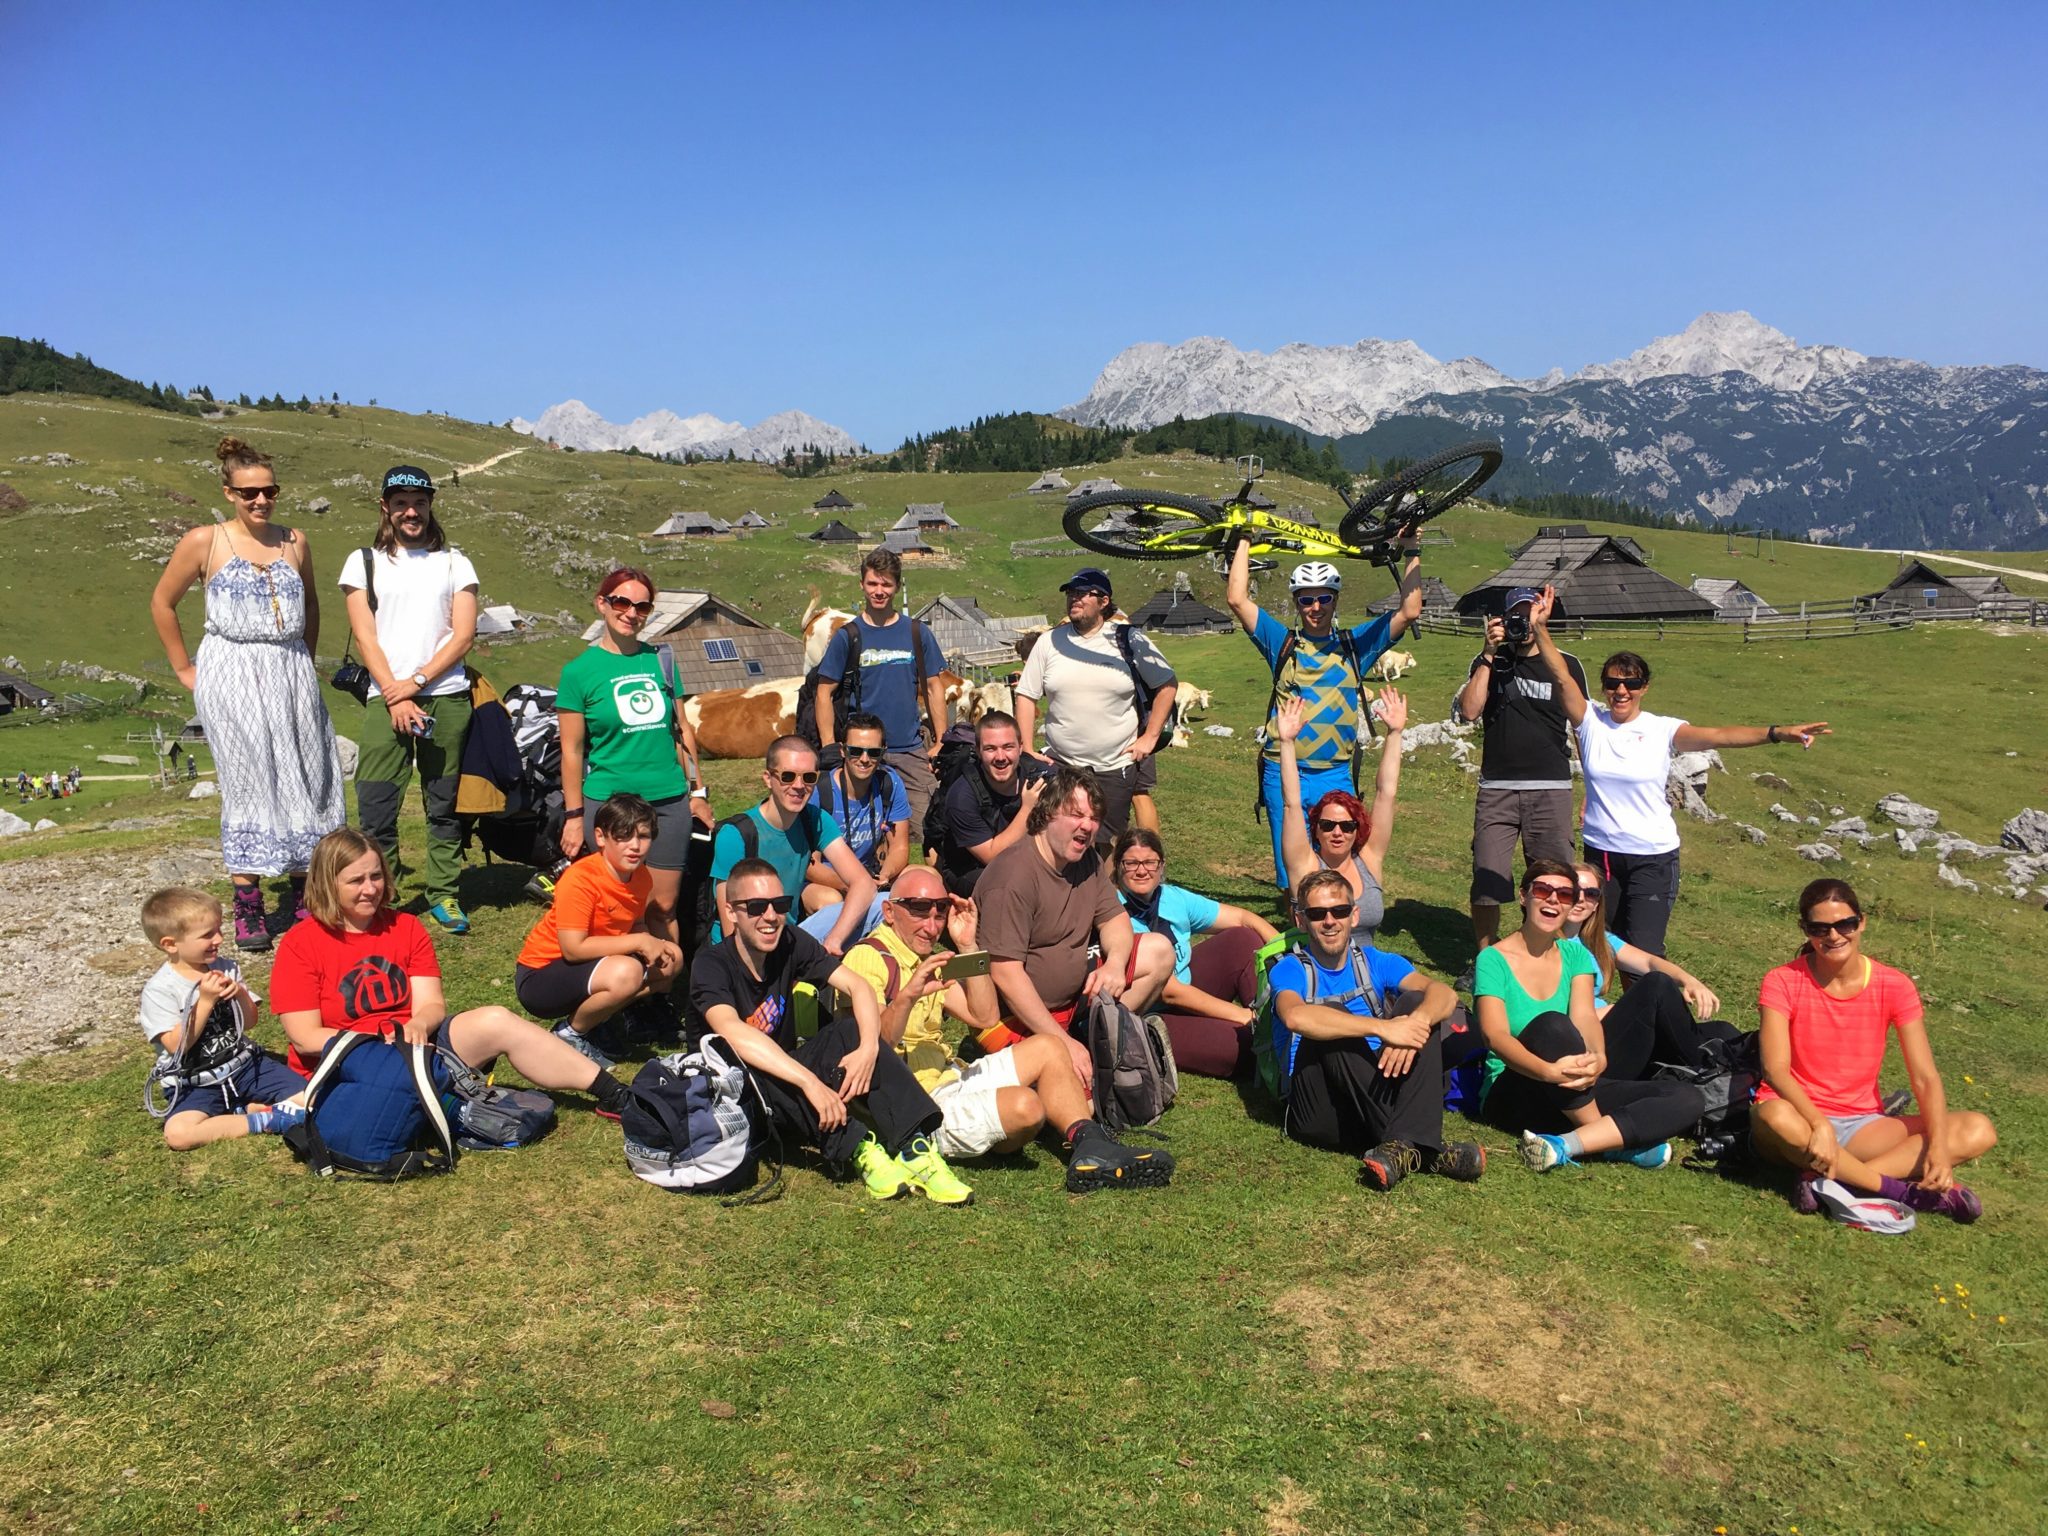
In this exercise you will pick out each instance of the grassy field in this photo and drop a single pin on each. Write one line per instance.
(214, 1342)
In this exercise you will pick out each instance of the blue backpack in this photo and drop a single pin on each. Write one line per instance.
(375, 1110)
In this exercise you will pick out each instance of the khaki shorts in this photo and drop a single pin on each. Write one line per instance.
(974, 1120)
(1540, 820)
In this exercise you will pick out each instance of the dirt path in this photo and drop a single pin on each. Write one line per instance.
(1977, 565)
(499, 458)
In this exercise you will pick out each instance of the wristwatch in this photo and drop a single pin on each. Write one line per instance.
(419, 679)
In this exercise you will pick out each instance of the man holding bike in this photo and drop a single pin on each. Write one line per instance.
(1325, 665)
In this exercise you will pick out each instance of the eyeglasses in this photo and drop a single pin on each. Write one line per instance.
(254, 492)
(627, 605)
(757, 906)
(1589, 893)
(1328, 914)
(1618, 684)
(1324, 824)
(786, 777)
(922, 906)
(1140, 866)
(866, 751)
(1841, 926)
(1551, 890)
(1314, 599)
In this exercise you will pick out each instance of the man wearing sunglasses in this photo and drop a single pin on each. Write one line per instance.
(743, 990)
(1525, 766)
(1325, 665)
(867, 799)
(412, 613)
(786, 830)
(1357, 1076)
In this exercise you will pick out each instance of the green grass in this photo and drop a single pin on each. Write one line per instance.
(215, 1342)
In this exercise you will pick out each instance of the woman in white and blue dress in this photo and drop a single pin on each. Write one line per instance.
(254, 686)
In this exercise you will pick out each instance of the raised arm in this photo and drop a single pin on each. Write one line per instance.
(1569, 693)
(1295, 850)
(1237, 591)
(1393, 715)
(1409, 611)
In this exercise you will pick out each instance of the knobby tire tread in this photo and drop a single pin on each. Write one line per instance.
(1074, 521)
(1363, 524)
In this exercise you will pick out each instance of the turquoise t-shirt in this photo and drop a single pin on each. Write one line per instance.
(1178, 913)
(1492, 978)
(628, 738)
(790, 852)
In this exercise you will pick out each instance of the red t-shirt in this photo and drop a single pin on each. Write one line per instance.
(1837, 1043)
(359, 981)
(589, 896)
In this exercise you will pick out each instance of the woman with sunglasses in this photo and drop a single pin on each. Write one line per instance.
(1826, 1013)
(1665, 1006)
(1626, 753)
(623, 732)
(254, 687)
(1207, 1004)
(1347, 838)
(1548, 1074)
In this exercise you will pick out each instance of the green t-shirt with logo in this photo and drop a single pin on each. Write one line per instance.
(626, 707)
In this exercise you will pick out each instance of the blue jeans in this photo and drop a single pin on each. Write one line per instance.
(819, 924)
(1315, 783)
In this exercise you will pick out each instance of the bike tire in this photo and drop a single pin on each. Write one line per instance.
(1148, 517)
(1387, 506)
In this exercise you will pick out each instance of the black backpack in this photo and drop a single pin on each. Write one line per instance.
(1729, 1071)
(695, 921)
(847, 699)
(957, 760)
(1350, 651)
(1144, 692)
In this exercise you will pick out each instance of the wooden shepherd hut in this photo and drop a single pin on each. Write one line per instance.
(1597, 576)
(716, 644)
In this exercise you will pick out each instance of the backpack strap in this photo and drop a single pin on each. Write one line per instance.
(929, 728)
(370, 577)
(1347, 646)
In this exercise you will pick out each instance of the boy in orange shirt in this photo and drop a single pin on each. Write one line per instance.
(591, 954)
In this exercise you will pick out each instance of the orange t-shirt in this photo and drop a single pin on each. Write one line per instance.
(1837, 1043)
(589, 897)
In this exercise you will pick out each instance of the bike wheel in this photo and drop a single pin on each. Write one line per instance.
(1419, 492)
(1142, 525)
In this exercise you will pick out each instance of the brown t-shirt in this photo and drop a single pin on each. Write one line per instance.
(1045, 917)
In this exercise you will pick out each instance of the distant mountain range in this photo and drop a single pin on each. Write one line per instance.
(575, 425)
(1728, 420)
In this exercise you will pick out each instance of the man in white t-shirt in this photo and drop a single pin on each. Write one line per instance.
(412, 615)
(1093, 673)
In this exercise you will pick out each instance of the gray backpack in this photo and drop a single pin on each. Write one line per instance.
(1136, 1081)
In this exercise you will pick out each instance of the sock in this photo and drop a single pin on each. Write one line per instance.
(1894, 1189)
(269, 1122)
(1073, 1132)
(1574, 1144)
(609, 1092)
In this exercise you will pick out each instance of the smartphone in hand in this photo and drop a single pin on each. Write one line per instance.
(972, 962)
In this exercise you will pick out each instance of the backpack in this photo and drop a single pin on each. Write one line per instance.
(1349, 648)
(528, 829)
(1136, 1080)
(686, 1126)
(1728, 1075)
(1275, 1062)
(847, 699)
(957, 759)
(698, 917)
(835, 782)
(490, 1118)
(1144, 694)
(374, 1111)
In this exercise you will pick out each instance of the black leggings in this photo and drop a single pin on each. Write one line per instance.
(1646, 1113)
(1654, 1023)
(1641, 889)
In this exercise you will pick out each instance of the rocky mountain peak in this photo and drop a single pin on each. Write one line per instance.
(1731, 341)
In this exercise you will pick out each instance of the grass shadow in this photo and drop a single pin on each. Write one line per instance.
(1443, 934)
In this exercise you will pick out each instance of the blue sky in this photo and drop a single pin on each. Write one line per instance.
(899, 216)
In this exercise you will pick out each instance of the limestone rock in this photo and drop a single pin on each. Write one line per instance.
(1820, 853)
(2027, 832)
(1754, 834)
(1223, 731)
(319, 504)
(1848, 826)
(1903, 812)
(45, 825)
(12, 825)
(1688, 799)
(1949, 846)
(1693, 767)
(1909, 840)
(1769, 781)
(205, 789)
(349, 752)
(1947, 876)
(120, 759)
(1782, 814)
(1434, 733)
(2027, 868)
(1813, 821)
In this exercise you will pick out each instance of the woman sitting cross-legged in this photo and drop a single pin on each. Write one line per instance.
(1660, 1017)
(1548, 1074)
(1825, 1017)
(352, 963)
(1207, 1004)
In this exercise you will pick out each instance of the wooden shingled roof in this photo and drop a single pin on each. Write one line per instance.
(1596, 576)
(832, 501)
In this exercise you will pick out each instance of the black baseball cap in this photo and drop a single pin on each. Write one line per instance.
(405, 477)
(1089, 578)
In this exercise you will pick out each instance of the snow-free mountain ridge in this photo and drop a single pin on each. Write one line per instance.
(575, 425)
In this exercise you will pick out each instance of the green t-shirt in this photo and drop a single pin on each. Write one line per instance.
(1492, 978)
(626, 707)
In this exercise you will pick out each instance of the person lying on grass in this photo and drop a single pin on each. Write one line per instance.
(743, 990)
(1360, 1077)
(217, 1083)
(1825, 1016)
(352, 963)
(591, 955)
(1550, 1076)
(995, 1103)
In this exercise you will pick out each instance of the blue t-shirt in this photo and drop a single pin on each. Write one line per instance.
(888, 678)
(1178, 913)
(1319, 671)
(790, 852)
(866, 822)
(1288, 975)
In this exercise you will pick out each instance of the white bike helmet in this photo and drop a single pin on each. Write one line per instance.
(1316, 576)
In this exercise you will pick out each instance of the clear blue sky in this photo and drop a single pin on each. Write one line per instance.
(899, 216)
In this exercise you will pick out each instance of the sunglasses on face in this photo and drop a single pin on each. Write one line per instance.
(788, 776)
(627, 605)
(1550, 890)
(865, 751)
(1842, 927)
(756, 906)
(1619, 684)
(1314, 599)
(1329, 914)
(1324, 824)
(922, 906)
(254, 492)
(1589, 893)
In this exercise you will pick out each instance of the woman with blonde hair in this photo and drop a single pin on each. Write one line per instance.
(254, 687)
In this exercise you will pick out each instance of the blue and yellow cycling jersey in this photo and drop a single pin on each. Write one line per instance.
(1323, 675)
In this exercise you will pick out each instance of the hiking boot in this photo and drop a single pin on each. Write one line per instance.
(1958, 1201)
(1898, 1102)
(1805, 1200)
(1643, 1157)
(580, 1042)
(921, 1167)
(1388, 1164)
(449, 915)
(293, 907)
(540, 888)
(1464, 1161)
(249, 930)
(1100, 1161)
(879, 1171)
(1543, 1153)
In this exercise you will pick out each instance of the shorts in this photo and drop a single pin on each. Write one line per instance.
(554, 990)
(1540, 819)
(672, 820)
(264, 1080)
(1846, 1126)
(974, 1118)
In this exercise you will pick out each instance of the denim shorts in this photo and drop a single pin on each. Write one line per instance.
(264, 1080)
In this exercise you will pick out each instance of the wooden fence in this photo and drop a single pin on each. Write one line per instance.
(1812, 621)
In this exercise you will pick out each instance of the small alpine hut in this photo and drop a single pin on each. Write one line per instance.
(717, 645)
(1176, 611)
(925, 517)
(20, 693)
(1733, 602)
(1597, 576)
(1932, 594)
(692, 525)
(906, 541)
(832, 501)
(750, 520)
(1436, 598)
(834, 532)
(967, 636)
(1093, 487)
(1051, 480)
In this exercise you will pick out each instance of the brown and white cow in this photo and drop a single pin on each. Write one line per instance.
(741, 722)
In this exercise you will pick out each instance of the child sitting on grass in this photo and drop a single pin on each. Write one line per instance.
(217, 1082)
(591, 954)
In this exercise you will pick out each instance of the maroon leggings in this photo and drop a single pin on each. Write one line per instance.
(1223, 965)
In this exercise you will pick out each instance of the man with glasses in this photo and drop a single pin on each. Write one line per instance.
(1359, 1038)
(1525, 768)
(1108, 694)
(996, 1103)
(867, 799)
(785, 830)
(743, 991)
(412, 612)
(1323, 664)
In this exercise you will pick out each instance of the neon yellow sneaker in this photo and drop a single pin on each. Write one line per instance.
(882, 1174)
(920, 1166)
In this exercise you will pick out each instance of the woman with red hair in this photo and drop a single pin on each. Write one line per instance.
(1340, 833)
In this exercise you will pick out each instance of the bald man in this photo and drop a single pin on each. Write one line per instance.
(999, 1102)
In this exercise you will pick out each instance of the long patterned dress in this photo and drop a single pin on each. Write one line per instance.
(259, 699)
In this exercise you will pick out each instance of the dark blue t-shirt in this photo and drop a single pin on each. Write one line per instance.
(888, 678)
